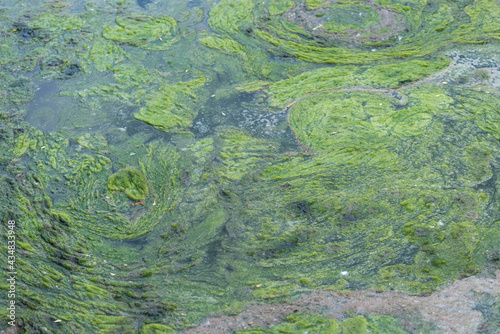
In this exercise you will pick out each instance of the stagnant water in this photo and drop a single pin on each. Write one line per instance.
(236, 166)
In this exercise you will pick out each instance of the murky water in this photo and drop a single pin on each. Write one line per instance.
(43, 111)
(167, 162)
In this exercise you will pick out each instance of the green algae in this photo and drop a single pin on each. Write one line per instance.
(230, 16)
(313, 4)
(300, 323)
(241, 150)
(387, 324)
(392, 180)
(224, 44)
(156, 328)
(22, 145)
(275, 290)
(56, 238)
(170, 108)
(327, 79)
(112, 216)
(313, 323)
(131, 182)
(105, 54)
(340, 17)
(292, 43)
(352, 132)
(53, 22)
(279, 7)
(483, 15)
(144, 32)
(355, 325)
(254, 61)
(96, 142)
(351, 153)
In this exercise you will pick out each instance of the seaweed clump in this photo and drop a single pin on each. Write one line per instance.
(131, 182)
(144, 32)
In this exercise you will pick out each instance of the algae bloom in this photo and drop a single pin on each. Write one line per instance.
(131, 182)
(251, 166)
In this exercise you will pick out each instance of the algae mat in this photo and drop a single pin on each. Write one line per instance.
(244, 166)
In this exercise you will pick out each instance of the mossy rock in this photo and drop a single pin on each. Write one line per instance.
(131, 182)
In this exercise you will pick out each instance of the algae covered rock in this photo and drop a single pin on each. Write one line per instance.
(131, 182)
(143, 31)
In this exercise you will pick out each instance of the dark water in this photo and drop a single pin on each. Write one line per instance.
(47, 107)
(144, 3)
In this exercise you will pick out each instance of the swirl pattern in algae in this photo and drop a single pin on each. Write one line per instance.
(201, 157)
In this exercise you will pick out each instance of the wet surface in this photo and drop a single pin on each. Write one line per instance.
(144, 3)
(47, 107)
(453, 309)
(284, 172)
(247, 113)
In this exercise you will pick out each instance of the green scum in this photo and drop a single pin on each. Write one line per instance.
(204, 159)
